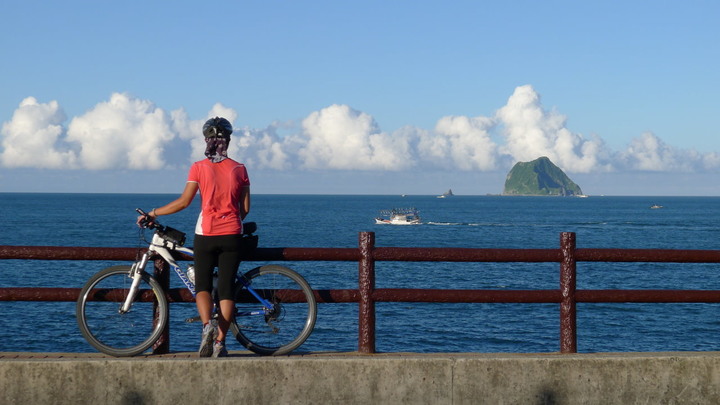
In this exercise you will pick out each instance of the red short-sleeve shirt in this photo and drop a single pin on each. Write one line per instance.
(220, 185)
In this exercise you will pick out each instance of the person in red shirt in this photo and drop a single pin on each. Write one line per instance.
(225, 201)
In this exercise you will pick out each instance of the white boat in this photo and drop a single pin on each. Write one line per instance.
(446, 194)
(655, 207)
(399, 216)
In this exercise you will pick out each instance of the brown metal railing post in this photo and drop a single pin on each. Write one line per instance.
(162, 275)
(568, 306)
(366, 286)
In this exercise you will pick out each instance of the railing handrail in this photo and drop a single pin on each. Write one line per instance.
(407, 254)
(366, 254)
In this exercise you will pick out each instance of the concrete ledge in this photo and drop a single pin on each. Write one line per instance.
(351, 378)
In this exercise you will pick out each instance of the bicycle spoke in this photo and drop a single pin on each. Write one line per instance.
(287, 324)
(105, 326)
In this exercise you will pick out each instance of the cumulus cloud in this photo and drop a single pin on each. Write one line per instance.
(649, 153)
(530, 131)
(263, 148)
(338, 137)
(460, 142)
(125, 132)
(33, 138)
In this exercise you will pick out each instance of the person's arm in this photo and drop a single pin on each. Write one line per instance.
(180, 203)
(244, 203)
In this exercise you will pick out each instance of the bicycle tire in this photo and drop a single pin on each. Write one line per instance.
(293, 317)
(109, 331)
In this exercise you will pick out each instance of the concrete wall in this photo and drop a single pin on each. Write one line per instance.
(629, 378)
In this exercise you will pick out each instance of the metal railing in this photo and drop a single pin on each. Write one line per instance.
(366, 295)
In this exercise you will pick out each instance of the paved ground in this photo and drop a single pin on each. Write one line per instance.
(356, 378)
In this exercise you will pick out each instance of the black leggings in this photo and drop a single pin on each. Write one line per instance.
(222, 251)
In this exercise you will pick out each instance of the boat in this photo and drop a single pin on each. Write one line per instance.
(655, 206)
(399, 216)
(446, 194)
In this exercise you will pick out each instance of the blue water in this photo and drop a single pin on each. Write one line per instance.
(461, 221)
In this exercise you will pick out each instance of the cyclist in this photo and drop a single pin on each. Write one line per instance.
(225, 201)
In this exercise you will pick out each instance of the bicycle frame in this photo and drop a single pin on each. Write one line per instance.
(162, 247)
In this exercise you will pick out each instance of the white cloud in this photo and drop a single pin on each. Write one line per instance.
(531, 132)
(129, 133)
(464, 141)
(262, 149)
(33, 137)
(649, 153)
(123, 132)
(338, 137)
(183, 126)
(711, 160)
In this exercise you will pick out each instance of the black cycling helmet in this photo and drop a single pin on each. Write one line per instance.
(217, 127)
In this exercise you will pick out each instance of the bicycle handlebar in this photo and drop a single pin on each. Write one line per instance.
(147, 223)
(248, 227)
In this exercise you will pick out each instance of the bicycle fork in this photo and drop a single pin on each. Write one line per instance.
(136, 275)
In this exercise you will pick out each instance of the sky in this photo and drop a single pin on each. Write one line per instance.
(371, 97)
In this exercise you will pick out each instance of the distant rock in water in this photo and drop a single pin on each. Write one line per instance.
(539, 177)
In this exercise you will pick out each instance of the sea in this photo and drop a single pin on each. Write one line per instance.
(108, 220)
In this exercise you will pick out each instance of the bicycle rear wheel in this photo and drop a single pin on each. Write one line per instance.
(115, 333)
(282, 328)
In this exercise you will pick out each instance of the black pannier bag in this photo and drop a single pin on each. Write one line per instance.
(173, 235)
(249, 241)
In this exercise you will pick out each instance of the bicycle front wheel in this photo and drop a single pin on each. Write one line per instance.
(112, 331)
(289, 320)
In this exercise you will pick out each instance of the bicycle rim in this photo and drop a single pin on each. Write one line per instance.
(289, 324)
(115, 333)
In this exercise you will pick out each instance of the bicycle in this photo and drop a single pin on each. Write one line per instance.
(123, 310)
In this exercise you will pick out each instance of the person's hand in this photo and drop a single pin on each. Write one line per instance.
(144, 221)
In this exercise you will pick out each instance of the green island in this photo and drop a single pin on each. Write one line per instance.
(539, 177)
